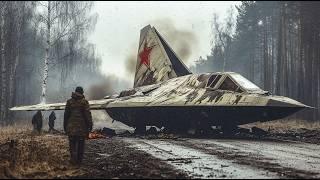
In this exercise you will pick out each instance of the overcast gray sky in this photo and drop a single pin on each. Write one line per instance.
(117, 30)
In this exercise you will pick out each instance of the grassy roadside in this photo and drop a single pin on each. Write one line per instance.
(27, 155)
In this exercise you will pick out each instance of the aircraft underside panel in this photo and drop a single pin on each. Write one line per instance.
(188, 116)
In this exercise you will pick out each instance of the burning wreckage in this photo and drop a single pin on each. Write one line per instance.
(166, 94)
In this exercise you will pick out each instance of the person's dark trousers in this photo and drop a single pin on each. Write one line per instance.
(76, 147)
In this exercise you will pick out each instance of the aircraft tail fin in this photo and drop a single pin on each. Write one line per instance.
(156, 61)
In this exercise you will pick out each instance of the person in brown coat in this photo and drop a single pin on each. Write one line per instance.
(77, 124)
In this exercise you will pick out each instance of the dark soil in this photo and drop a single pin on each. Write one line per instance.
(112, 158)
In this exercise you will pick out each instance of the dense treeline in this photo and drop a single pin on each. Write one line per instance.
(274, 44)
(44, 43)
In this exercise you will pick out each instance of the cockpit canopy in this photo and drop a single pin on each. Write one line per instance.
(231, 81)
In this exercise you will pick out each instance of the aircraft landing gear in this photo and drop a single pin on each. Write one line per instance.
(202, 128)
(140, 129)
(229, 130)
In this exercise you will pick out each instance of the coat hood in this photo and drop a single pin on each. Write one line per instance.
(76, 95)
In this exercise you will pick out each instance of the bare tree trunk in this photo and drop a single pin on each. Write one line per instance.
(265, 66)
(272, 57)
(224, 63)
(284, 58)
(3, 65)
(46, 60)
(251, 66)
(13, 73)
(279, 77)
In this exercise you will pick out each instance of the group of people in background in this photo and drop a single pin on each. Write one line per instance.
(37, 122)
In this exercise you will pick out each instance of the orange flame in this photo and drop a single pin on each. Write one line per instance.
(96, 135)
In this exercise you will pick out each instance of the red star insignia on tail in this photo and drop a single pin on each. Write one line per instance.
(145, 55)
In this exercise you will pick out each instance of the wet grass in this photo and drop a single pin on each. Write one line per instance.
(25, 154)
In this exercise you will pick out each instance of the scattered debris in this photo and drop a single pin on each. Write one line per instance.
(108, 132)
(125, 134)
(303, 135)
(243, 130)
(24, 155)
(152, 130)
(258, 131)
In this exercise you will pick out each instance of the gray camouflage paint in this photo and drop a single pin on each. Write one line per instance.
(165, 91)
(189, 90)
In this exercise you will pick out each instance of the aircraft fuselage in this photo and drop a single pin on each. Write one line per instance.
(188, 100)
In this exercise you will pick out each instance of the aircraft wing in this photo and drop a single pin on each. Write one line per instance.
(94, 104)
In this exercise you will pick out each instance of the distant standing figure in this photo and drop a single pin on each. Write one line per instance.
(37, 122)
(52, 118)
(77, 124)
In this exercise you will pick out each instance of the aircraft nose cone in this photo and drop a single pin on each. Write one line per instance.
(283, 106)
(280, 101)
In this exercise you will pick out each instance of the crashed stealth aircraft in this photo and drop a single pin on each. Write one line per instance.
(167, 94)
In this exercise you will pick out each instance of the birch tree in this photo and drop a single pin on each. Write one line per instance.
(60, 20)
(32, 33)
(223, 35)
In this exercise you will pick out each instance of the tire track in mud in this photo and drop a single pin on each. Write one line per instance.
(195, 161)
(113, 158)
(249, 153)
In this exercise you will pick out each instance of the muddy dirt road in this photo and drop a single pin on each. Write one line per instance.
(218, 158)
(46, 156)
